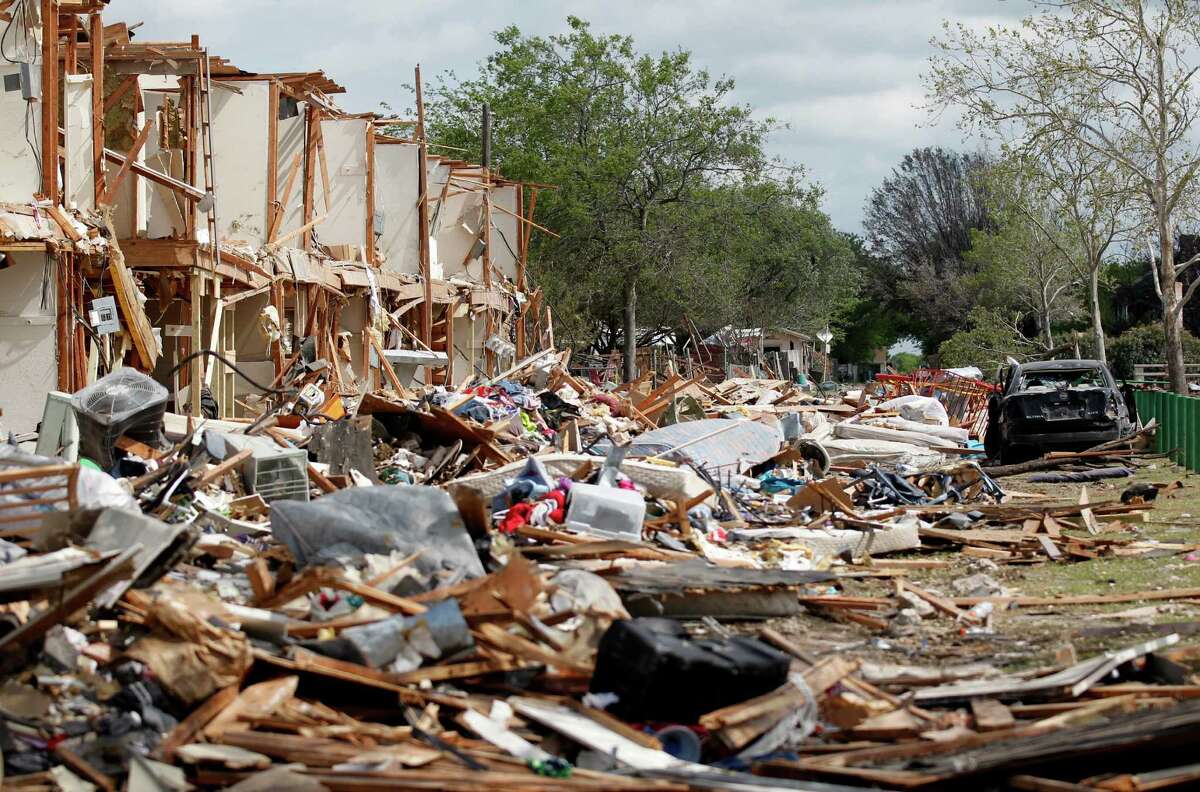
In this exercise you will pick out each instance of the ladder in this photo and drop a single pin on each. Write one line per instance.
(206, 152)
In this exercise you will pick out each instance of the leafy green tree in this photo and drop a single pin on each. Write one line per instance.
(906, 362)
(991, 337)
(625, 136)
(1113, 78)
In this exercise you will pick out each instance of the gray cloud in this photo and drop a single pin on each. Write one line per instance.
(843, 74)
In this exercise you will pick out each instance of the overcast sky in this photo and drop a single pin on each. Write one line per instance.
(843, 74)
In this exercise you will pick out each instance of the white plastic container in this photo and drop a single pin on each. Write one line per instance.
(606, 511)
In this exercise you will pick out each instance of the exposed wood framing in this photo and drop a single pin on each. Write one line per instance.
(272, 152)
(119, 92)
(313, 126)
(96, 34)
(423, 229)
(370, 230)
(130, 156)
(280, 208)
(50, 100)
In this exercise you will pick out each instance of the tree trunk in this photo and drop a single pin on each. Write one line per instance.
(630, 329)
(1172, 313)
(1097, 325)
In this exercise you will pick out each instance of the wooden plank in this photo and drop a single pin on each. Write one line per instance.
(49, 100)
(1048, 545)
(939, 603)
(200, 717)
(528, 650)
(261, 579)
(118, 93)
(82, 767)
(96, 28)
(272, 152)
(313, 119)
(120, 568)
(991, 715)
(441, 673)
(369, 235)
(280, 208)
(136, 321)
(226, 466)
(130, 156)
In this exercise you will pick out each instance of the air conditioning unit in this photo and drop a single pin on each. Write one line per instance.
(273, 472)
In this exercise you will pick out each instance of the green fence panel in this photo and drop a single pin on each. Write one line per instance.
(1178, 424)
(1193, 435)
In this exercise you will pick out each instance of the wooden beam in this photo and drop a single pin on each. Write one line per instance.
(119, 92)
(50, 100)
(423, 228)
(136, 321)
(272, 153)
(71, 56)
(370, 230)
(310, 164)
(281, 206)
(157, 252)
(96, 34)
(130, 156)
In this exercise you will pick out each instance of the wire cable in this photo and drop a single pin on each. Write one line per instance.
(209, 353)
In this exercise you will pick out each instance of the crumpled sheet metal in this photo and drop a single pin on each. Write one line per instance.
(718, 445)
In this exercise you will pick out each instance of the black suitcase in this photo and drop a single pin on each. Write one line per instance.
(661, 674)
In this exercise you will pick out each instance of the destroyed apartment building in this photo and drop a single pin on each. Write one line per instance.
(170, 202)
(297, 492)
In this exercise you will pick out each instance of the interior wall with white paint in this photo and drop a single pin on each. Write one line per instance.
(504, 232)
(290, 150)
(165, 212)
(79, 180)
(455, 224)
(28, 365)
(396, 196)
(20, 133)
(240, 111)
(345, 144)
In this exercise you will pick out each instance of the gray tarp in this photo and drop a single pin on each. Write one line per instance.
(379, 520)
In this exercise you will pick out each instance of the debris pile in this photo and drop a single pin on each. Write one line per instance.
(535, 582)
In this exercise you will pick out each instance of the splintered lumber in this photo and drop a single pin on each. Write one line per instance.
(440, 673)
(81, 766)
(194, 723)
(226, 466)
(120, 568)
(939, 603)
(528, 650)
(1082, 599)
(136, 321)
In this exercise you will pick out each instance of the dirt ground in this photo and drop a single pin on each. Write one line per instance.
(1029, 637)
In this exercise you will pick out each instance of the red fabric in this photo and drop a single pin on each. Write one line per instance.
(518, 515)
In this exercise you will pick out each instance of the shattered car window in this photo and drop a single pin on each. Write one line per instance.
(1062, 379)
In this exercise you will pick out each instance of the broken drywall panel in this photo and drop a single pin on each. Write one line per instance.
(290, 148)
(459, 230)
(20, 135)
(240, 125)
(505, 245)
(346, 156)
(469, 336)
(28, 367)
(79, 189)
(396, 196)
(352, 320)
